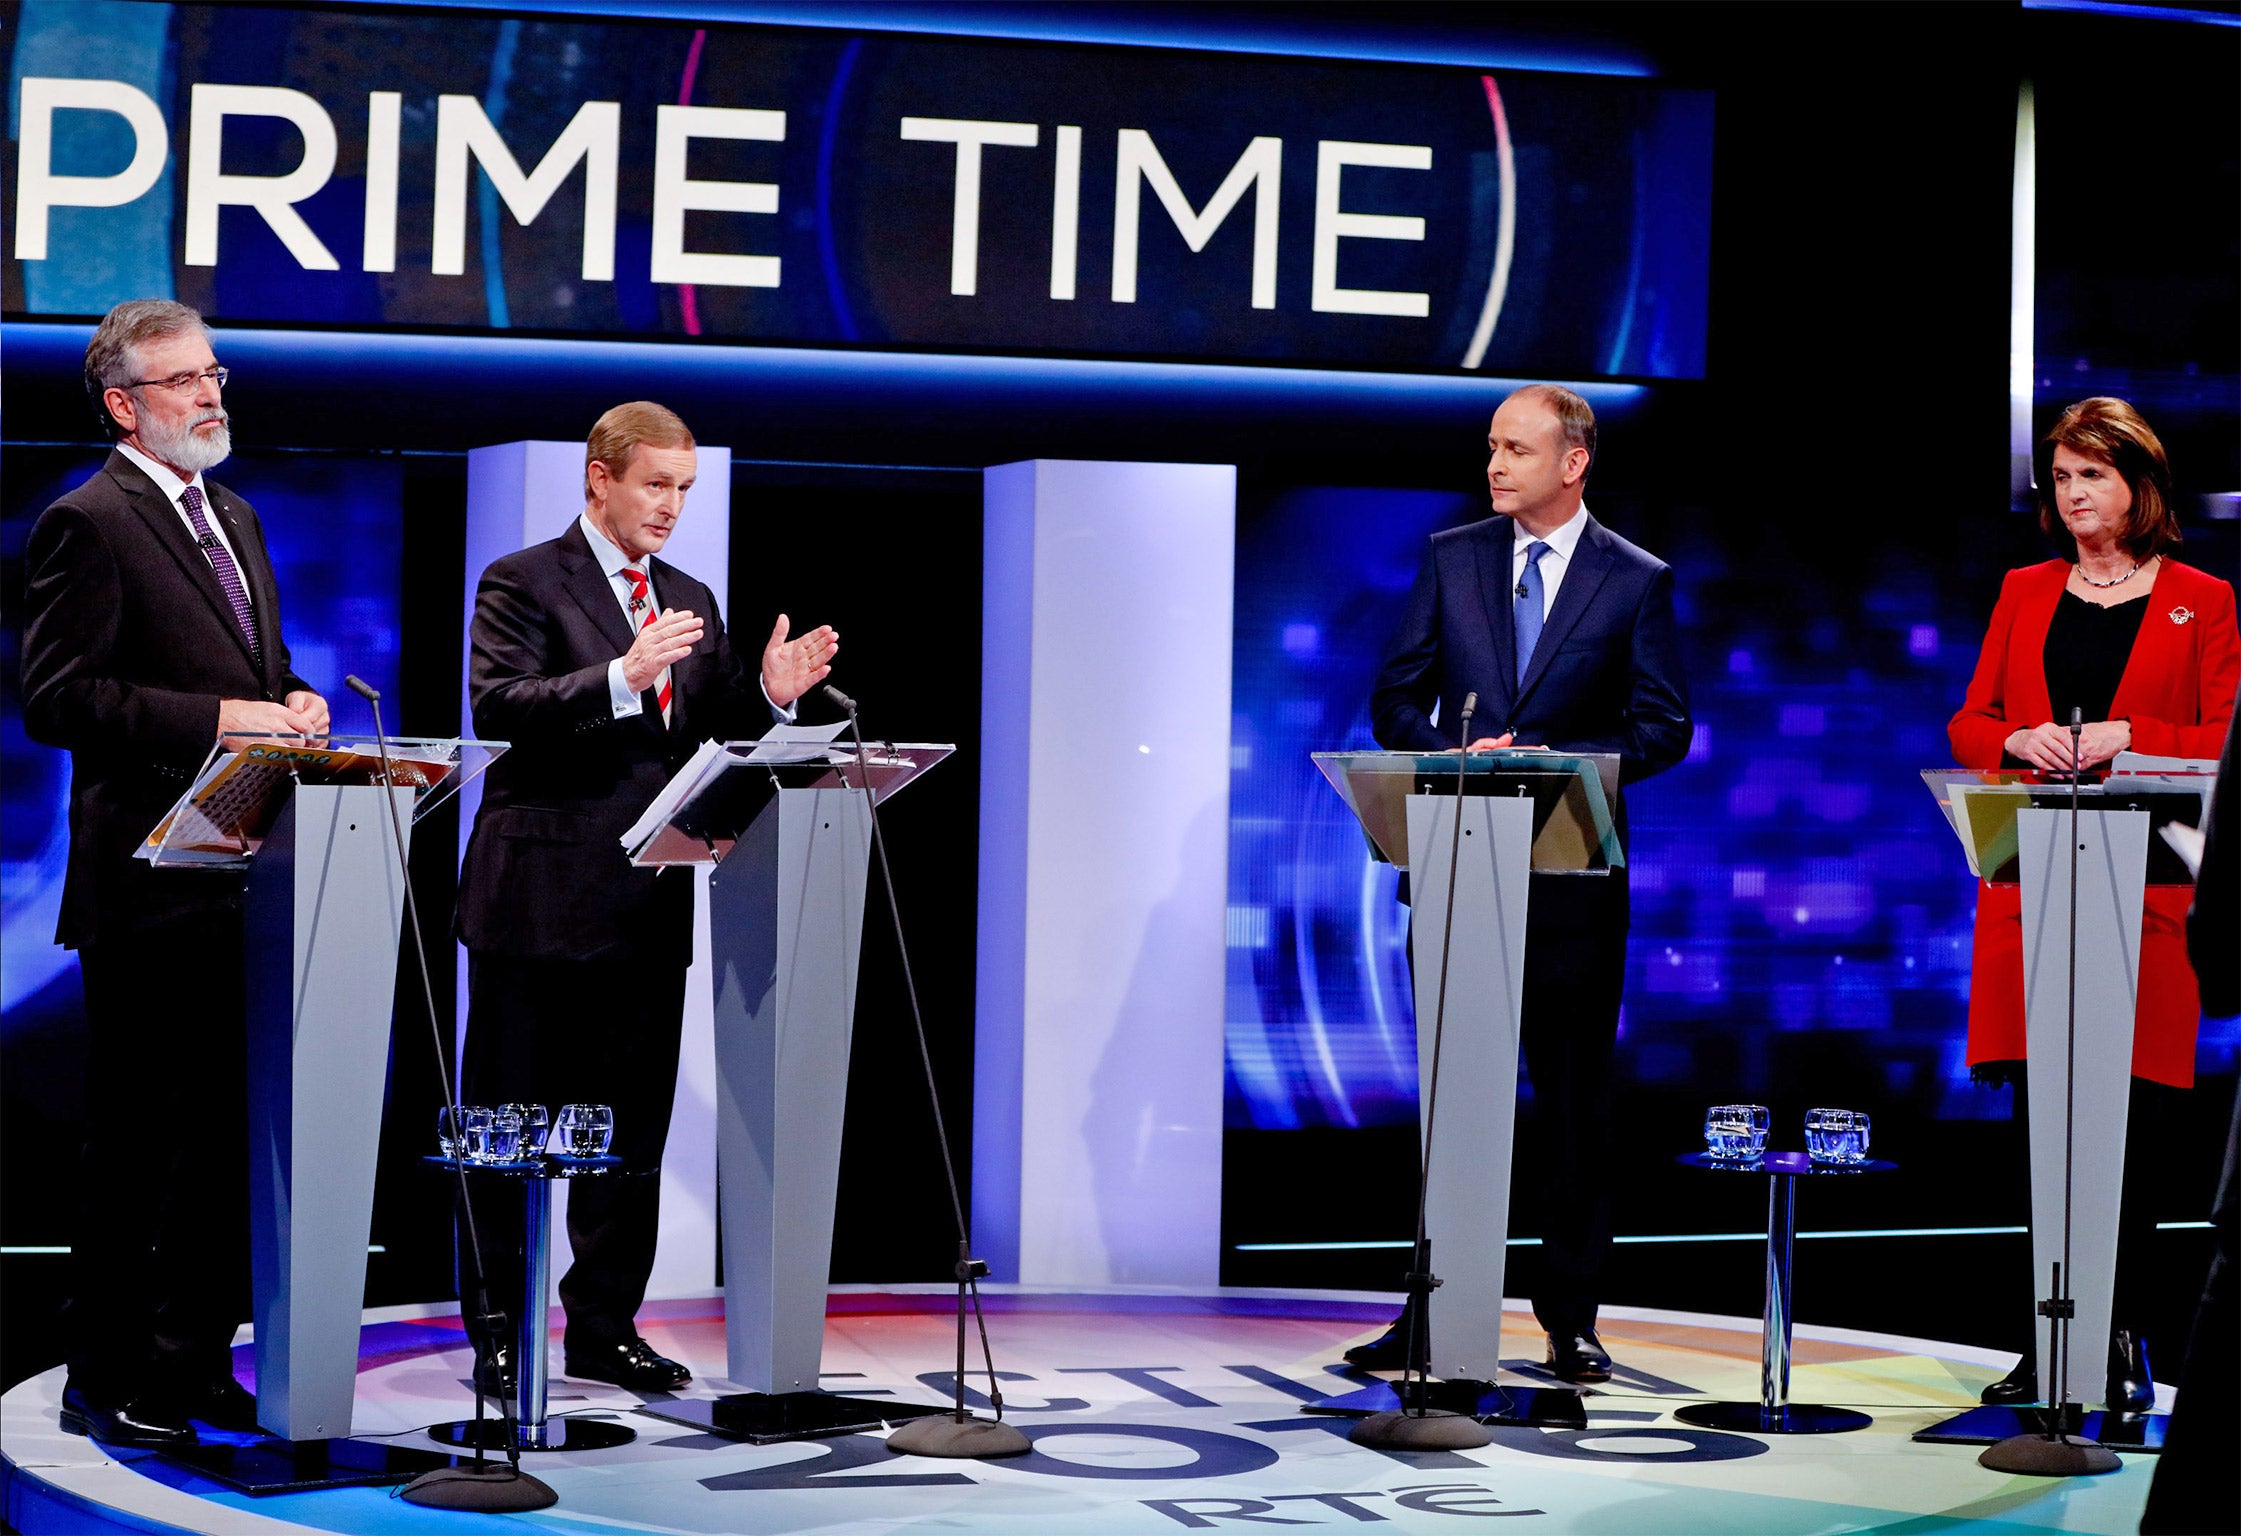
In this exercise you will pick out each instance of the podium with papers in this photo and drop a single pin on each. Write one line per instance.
(2015, 828)
(787, 824)
(307, 819)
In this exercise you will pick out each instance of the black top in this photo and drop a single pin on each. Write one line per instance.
(2086, 649)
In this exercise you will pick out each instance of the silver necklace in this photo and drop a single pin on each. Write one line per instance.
(2114, 581)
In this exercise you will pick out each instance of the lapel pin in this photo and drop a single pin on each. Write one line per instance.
(2182, 615)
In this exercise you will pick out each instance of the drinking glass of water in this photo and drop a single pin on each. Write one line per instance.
(1736, 1132)
(494, 1136)
(1836, 1135)
(451, 1131)
(534, 1127)
(585, 1130)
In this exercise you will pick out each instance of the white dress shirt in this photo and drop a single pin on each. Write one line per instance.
(1554, 563)
(613, 561)
(174, 489)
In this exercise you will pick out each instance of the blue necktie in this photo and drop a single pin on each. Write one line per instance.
(1525, 609)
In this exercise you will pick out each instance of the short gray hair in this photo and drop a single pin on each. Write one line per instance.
(1575, 418)
(113, 356)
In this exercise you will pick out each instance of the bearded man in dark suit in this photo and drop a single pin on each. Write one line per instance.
(606, 668)
(151, 626)
(1564, 630)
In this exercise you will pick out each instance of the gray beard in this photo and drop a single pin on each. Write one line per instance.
(185, 448)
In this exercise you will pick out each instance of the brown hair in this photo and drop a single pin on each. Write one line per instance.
(618, 434)
(2108, 429)
(1575, 418)
(113, 355)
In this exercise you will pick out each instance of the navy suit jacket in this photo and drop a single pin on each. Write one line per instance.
(1605, 675)
(545, 876)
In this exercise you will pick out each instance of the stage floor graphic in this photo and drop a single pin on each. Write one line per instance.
(1150, 1414)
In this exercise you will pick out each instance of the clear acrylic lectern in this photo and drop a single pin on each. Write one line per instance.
(787, 827)
(305, 818)
(1521, 812)
(2014, 827)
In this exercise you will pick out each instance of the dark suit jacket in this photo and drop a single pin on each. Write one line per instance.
(1605, 676)
(545, 875)
(128, 647)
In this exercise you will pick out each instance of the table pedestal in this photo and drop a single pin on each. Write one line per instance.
(532, 1430)
(1774, 1413)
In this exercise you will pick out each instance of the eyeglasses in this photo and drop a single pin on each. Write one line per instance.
(183, 382)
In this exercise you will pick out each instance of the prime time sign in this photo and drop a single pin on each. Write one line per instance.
(461, 171)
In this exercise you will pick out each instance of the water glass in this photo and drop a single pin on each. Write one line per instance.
(1836, 1135)
(494, 1136)
(1736, 1132)
(534, 1127)
(585, 1130)
(473, 1122)
(451, 1134)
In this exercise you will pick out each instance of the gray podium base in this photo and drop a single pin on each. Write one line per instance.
(1536, 1407)
(768, 1418)
(1989, 1426)
(267, 1466)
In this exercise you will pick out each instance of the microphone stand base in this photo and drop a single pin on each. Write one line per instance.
(1435, 1429)
(964, 1438)
(2041, 1456)
(493, 1491)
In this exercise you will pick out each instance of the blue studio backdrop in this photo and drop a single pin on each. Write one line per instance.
(875, 248)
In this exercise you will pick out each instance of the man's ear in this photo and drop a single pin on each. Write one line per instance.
(1575, 465)
(121, 408)
(596, 476)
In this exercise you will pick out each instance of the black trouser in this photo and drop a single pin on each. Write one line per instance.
(556, 1032)
(160, 1256)
(2194, 1488)
(2153, 1110)
(1575, 971)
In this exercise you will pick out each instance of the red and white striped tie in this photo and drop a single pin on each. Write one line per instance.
(645, 611)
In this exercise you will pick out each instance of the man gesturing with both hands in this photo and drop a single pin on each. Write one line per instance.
(606, 668)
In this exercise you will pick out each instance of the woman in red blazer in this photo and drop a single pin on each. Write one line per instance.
(2148, 649)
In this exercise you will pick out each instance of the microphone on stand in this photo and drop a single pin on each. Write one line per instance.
(1416, 1424)
(958, 1433)
(490, 1489)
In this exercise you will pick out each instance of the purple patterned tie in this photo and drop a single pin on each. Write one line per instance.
(221, 562)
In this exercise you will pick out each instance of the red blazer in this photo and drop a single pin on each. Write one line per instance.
(2178, 691)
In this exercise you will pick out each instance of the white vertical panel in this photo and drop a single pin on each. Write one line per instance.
(1105, 824)
(519, 494)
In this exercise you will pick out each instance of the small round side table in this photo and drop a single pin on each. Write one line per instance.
(1774, 1413)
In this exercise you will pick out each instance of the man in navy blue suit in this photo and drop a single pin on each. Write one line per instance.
(1564, 630)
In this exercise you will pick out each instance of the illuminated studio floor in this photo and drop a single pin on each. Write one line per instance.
(1205, 1423)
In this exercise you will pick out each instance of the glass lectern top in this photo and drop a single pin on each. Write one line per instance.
(1572, 794)
(1981, 805)
(700, 814)
(221, 821)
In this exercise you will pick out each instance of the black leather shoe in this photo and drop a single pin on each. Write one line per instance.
(1387, 1352)
(2019, 1386)
(1578, 1357)
(633, 1364)
(143, 1421)
(220, 1402)
(2131, 1391)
